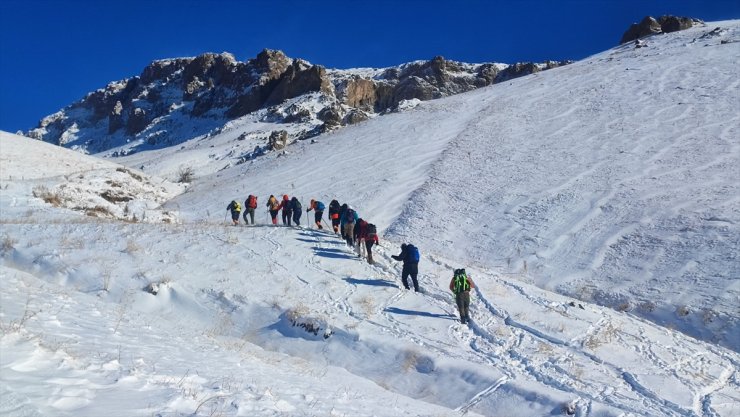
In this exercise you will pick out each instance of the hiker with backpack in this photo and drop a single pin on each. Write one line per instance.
(342, 209)
(274, 207)
(334, 215)
(366, 236)
(287, 210)
(461, 285)
(410, 257)
(235, 210)
(318, 208)
(249, 205)
(296, 206)
(350, 219)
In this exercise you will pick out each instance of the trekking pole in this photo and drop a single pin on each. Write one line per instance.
(225, 214)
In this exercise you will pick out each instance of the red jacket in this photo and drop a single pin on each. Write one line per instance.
(363, 232)
(285, 204)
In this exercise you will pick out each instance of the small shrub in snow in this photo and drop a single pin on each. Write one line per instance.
(98, 211)
(47, 195)
(8, 244)
(185, 175)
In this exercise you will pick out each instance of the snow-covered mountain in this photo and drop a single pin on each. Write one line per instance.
(174, 100)
(595, 206)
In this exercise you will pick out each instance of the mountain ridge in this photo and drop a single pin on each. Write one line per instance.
(144, 112)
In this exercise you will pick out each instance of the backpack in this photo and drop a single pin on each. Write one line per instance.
(460, 281)
(252, 201)
(412, 254)
(297, 204)
(274, 204)
(372, 231)
(320, 206)
(349, 216)
(236, 206)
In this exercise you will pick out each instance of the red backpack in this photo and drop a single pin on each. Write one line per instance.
(252, 201)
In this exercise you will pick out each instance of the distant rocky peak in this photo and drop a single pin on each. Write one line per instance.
(175, 100)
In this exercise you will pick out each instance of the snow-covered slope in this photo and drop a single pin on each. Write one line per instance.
(200, 318)
(613, 180)
(62, 178)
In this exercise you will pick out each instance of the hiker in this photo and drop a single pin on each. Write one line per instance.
(287, 209)
(235, 210)
(350, 218)
(342, 209)
(318, 208)
(249, 205)
(358, 234)
(461, 285)
(273, 206)
(334, 215)
(366, 235)
(410, 257)
(295, 205)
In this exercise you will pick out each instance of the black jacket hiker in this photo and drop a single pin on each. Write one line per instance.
(410, 265)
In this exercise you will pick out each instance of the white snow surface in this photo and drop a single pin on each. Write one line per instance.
(596, 207)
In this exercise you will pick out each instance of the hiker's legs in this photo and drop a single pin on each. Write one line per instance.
(297, 217)
(369, 246)
(335, 225)
(349, 230)
(414, 271)
(317, 218)
(404, 275)
(273, 214)
(251, 214)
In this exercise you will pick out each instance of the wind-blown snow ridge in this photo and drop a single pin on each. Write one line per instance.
(198, 318)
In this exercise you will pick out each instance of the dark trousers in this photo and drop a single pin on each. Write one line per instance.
(297, 217)
(249, 211)
(287, 215)
(273, 214)
(369, 245)
(410, 269)
(317, 218)
(463, 305)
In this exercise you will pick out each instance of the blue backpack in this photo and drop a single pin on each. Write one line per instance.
(412, 254)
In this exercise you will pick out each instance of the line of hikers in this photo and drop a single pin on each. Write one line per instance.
(359, 235)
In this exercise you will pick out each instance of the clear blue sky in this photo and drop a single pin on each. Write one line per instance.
(53, 52)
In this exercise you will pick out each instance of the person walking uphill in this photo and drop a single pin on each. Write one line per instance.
(349, 220)
(461, 285)
(318, 208)
(366, 234)
(235, 210)
(334, 215)
(249, 205)
(410, 257)
(287, 209)
(297, 208)
(274, 207)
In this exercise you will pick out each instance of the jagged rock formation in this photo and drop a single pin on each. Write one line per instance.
(651, 26)
(174, 100)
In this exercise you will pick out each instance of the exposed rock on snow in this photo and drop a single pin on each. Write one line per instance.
(651, 26)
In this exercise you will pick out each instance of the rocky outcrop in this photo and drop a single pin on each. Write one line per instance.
(137, 121)
(216, 88)
(651, 26)
(278, 140)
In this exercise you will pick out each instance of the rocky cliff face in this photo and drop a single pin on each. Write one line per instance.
(651, 26)
(174, 100)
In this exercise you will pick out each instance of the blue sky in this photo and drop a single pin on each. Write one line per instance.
(53, 52)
